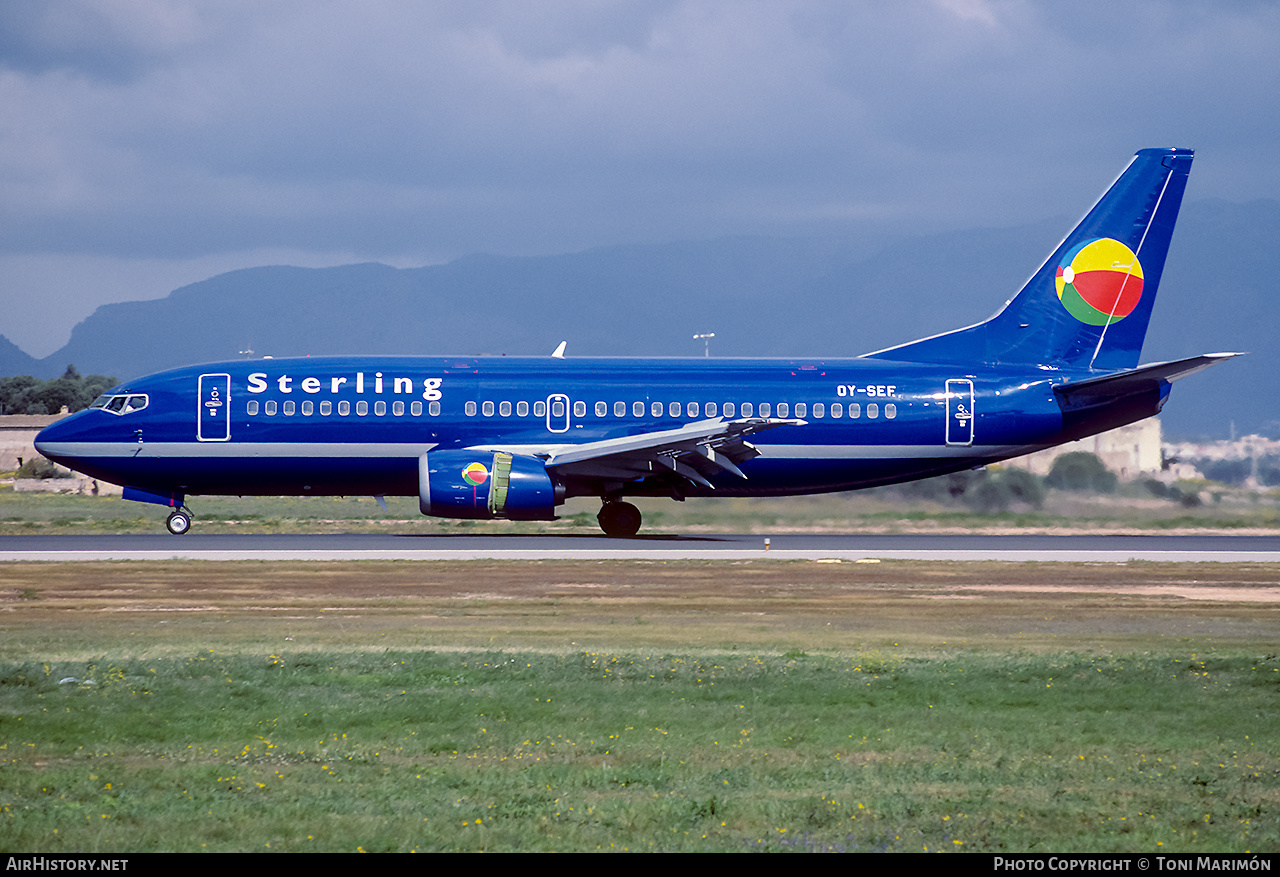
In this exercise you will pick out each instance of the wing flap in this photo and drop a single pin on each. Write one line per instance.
(693, 452)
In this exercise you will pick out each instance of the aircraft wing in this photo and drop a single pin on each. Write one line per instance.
(693, 452)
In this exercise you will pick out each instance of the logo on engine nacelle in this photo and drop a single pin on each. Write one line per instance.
(475, 474)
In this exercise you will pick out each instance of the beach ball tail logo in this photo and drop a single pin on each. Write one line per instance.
(1099, 282)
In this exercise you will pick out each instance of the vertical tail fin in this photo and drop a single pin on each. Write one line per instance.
(1089, 305)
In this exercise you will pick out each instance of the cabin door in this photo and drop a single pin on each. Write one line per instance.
(960, 412)
(213, 422)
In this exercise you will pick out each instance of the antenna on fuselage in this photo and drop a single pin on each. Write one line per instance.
(559, 351)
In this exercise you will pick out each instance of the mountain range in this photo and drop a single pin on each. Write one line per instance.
(817, 296)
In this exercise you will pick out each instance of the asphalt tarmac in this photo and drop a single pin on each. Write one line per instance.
(1080, 548)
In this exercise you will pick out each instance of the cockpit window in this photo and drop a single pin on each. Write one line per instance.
(123, 404)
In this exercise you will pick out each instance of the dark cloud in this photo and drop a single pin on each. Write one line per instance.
(114, 42)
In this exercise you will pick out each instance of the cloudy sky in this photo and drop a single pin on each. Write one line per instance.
(145, 144)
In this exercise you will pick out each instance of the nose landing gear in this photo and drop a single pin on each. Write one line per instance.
(620, 520)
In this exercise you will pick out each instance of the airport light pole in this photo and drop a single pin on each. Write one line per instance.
(706, 342)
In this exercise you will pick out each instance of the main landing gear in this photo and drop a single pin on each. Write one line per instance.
(179, 522)
(620, 520)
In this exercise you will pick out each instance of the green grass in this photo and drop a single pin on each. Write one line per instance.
(476, 705)
(584, 750)
(874, 512)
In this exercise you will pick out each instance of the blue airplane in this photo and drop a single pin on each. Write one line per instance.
(506, 437)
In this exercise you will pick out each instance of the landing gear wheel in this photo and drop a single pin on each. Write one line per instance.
(621, 520)
(179, 522)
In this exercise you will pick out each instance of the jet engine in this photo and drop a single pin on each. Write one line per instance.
(483, 484)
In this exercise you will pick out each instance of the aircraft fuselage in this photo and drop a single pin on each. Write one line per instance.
(358, 425)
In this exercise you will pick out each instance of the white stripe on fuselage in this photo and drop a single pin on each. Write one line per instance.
(816, 452)
(236, 449)
(231, 450)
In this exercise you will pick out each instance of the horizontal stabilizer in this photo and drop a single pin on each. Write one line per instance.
(1132, 380)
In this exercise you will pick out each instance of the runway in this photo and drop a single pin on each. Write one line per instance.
(789, 547)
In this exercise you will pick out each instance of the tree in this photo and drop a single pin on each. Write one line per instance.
(986, 490)
(997, 489)
(14, 391)
(1081, 470)
(24, 394)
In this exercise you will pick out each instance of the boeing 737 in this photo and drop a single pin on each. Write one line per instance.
(507, 437)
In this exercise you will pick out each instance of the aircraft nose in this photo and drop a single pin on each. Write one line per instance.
(55, 440)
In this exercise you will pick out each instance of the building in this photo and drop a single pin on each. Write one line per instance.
(18, 445)
(18, 437)
(1132, 451)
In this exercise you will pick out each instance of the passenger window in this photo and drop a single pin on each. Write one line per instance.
(380, 408)
(557, 408)
(362, 408)
(783, 409)
(855, 410)
(748, 409)
(326, 408)
(522, 409)
(539, 409)
(602, 409)
(397, 408)
(655, 409)
(579, 409)
(504, 408)
(288, 407)
(307, 408)
(729, 409)
(251, 408)
(873, 410)
(344, 408)
(691, 410)
(270, 407)
(819, 410)
(637, 409)
(890, 411)
(619, 409)
(487, 409)
(673, 409)
(711, 409)
(765, 409)
(837, 409)
(470, 408)
(801, 409)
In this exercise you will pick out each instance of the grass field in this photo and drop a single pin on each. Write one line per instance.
(867, 512)
(901, 706)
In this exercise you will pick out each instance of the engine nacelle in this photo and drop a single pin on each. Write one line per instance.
(480, 484)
